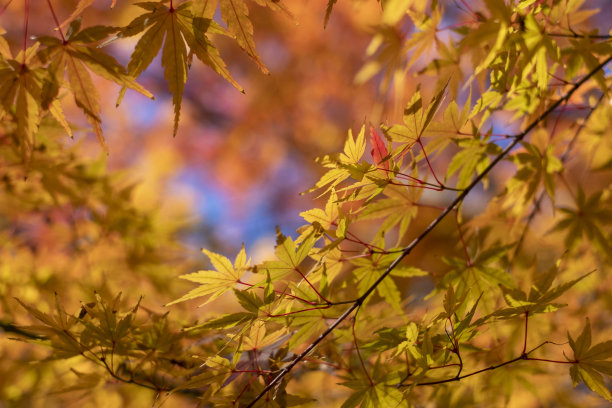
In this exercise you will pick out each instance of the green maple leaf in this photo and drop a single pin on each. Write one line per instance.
(217, 282)
(591, 362)
(173, 30)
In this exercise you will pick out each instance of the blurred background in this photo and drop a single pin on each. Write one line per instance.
(234, 172)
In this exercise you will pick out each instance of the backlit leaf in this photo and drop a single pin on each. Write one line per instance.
(217, 282)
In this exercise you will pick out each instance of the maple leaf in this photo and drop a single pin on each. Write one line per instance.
(76, 55)
(289, 256)
(327, 217)
(226, 321)
(539, 299)
(310, 324)
(56, 329)
(22, 85)
(591, 362)
(416, 118)
(447, 65)
(368, 270)
(215, 373)
(377, 391)
(259, 336)
(482, 274)
(588, 218)
(420, 351)
(379, 150)
(534, 167)
(473, 158)
(236, 14)
(107, 327)
(344, 165)
(175, 29)
(219, 281)
(398, 207)
(389, 48)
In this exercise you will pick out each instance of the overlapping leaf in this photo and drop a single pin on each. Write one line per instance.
(482, 274)
(368, 270)
(76, 56)
(540, 297)
(379, 392)
(289, 257)
(21, 80)
(472, 159)
(591, 362)
(534, 167)
(399, 206)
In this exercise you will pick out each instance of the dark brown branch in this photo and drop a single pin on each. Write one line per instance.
(524, 356)
(517, 139)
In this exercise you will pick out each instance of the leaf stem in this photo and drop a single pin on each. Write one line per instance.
(428, 163)
(526, 326)
(5, 7)
(297, 269)
(26, 19)
(57, 23)
(462, 239)
(327, 306)
(357, 349)
(280, 292)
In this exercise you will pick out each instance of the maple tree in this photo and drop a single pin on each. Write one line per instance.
(457, 252)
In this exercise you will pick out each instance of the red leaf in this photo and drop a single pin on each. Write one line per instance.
(379, 150)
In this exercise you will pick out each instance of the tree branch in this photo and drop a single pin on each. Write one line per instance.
(460, 197)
